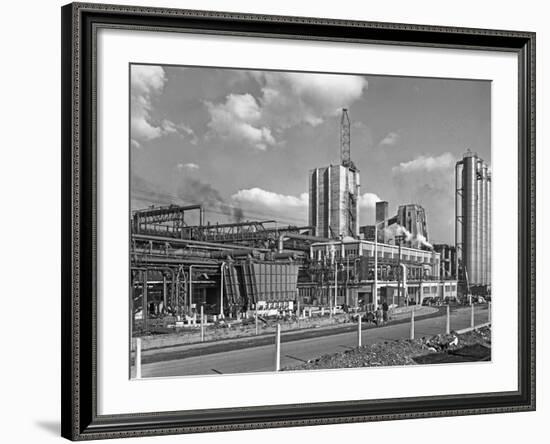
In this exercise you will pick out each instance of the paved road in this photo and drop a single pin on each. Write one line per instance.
(262, 358)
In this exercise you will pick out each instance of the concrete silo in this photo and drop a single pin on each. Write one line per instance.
(473, 221)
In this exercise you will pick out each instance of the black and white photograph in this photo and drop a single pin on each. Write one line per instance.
(300, 221)
(275, 222)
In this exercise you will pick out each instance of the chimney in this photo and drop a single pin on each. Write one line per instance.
(382, 216)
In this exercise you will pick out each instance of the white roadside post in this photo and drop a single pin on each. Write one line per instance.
(359, 341)
(472, 320)
(412, 324)
(138, 358)
(278, 348)
(448, 323)
(489, 312)
(202, 323)
(256, 316)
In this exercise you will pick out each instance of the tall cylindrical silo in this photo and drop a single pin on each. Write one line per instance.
(484, 220)
(479, 222)
(469, 217)
(489, 227)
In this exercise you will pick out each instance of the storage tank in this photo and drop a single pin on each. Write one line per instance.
(473, 218)
(469, 217)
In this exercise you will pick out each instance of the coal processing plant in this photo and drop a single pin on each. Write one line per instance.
(236, 270)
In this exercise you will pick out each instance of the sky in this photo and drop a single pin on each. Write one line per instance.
(242, 142)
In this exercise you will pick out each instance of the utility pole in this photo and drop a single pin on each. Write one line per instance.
(400, 240)
(335, 284)
(375, 282)
(347, 280)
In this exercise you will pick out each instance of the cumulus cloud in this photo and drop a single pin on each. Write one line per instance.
(290, 99)
(279, 206)
(285, 100)
(390, 139)
(239, 119)
(368, 200)
(426, 164)
(429, 181)
(147, 83)
(367, 206)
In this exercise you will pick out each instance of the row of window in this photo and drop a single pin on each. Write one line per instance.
(353, 253)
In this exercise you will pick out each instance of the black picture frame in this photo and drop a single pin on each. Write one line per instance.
(79, 171)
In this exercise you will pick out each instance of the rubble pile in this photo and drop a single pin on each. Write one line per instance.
(398, 352)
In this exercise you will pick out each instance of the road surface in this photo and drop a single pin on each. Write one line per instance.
(262, 358)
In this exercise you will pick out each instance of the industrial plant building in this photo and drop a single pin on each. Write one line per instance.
(334, 193)
(473, 223)
(404, 275)
(413, 218)
(230, 269)
(447, 260)
(334, 201)
(408, 227)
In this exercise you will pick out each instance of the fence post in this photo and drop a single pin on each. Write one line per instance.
(412, 324)
(202, 323)
(448, 323)
(278, 348)
(489, 313)
(138, 358)
(472, 320)
(359, 339)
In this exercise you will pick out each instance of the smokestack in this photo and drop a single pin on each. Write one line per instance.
(382, 216)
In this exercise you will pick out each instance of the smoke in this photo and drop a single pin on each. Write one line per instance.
(417, 241)
(423, 241)
(193, 190)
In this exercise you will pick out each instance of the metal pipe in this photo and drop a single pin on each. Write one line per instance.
(412, 324)
(278, 348)
(164, 290)
(404, 270)
(191, 281)
(335, 284)
(299, 237)
(375, 284)
(222, 279)
(194, 242)
(223, 254)
(145, 302)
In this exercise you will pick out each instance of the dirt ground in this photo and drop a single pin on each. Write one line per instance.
(447, 348)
